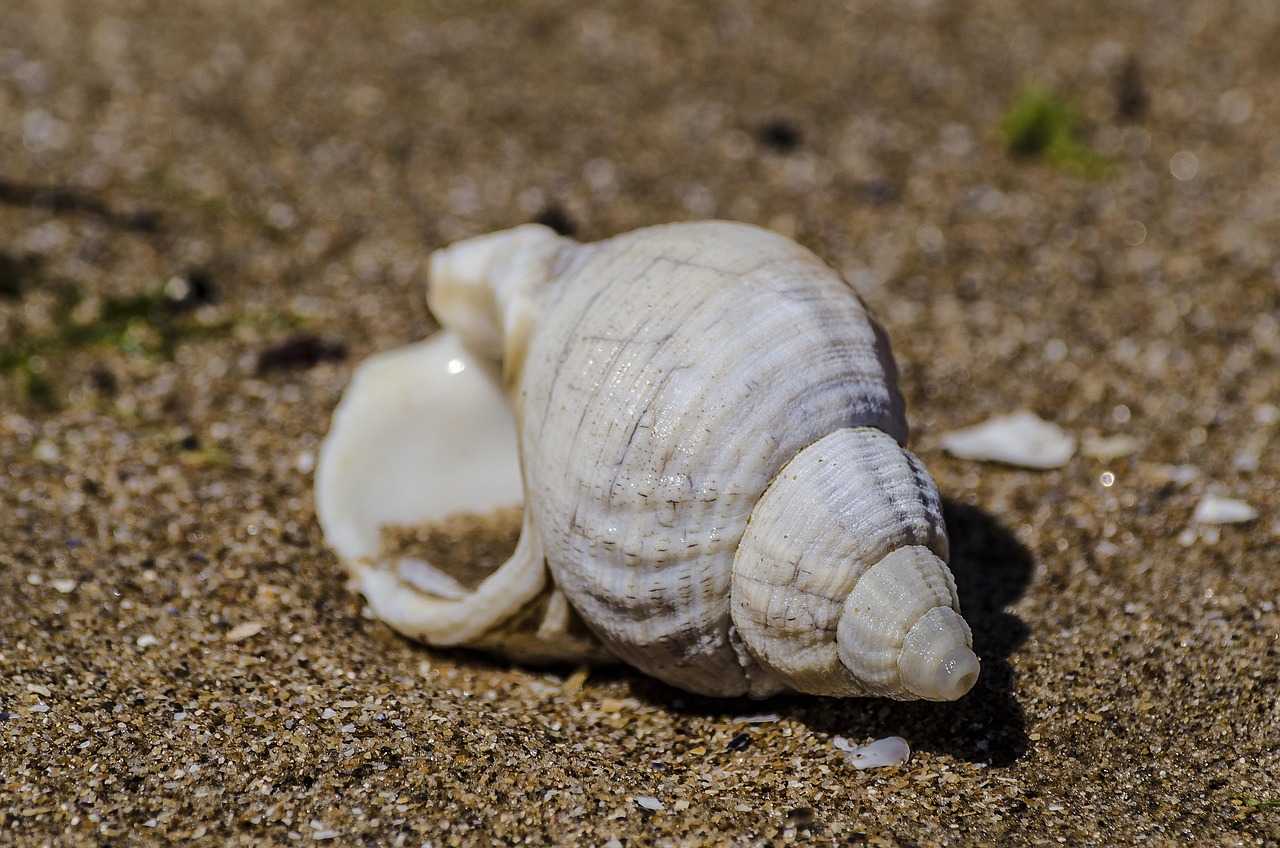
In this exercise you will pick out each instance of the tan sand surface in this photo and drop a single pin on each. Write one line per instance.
(210, 211)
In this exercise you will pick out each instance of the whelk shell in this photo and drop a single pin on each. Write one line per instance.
(703, 424)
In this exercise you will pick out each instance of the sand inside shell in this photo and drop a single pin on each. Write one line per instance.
(468, 548)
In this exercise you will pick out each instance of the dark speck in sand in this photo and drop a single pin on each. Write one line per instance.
(300, 352)
(780, 136)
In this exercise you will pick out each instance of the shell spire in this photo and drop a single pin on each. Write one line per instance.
(840, 583)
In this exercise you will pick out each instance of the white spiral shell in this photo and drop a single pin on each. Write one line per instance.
(709, 432)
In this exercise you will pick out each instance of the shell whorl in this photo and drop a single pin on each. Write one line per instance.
(844, 555)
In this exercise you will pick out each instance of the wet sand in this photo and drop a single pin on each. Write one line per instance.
(210, 212)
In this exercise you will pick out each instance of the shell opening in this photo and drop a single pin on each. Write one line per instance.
(422, 433)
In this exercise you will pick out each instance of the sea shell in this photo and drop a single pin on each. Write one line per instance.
(889, 751)
(1021, 439)
(709, 434)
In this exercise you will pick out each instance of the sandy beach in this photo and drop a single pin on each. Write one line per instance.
(211, 212)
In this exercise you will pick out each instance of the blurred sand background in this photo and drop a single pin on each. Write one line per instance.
(210, 211)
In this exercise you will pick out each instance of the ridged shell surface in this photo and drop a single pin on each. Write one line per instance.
(812, 563)
(673, 373)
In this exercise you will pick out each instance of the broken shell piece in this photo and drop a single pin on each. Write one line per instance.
(1020, 439)
(243, 631)
(1176, 475)
(1249, 456)
(1107, 448)
(889, 751)
(759, 718)
(1215, 509)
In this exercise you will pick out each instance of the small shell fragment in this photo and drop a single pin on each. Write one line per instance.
(759, 718)
(422, 575)
(1107, 448)
(1021, 439)
(648, 802)
(889, 751)
(243, 631)
(1176, 475)
(1249, 455)
(1215, 509)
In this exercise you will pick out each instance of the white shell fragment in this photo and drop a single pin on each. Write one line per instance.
(244, 631)
(1176, 475)
(1249, 455)
(1021, 439)
(889, 751)
(703, 424)
(1215, 509)
(1107, 448)
(758, 718)
(650, 803)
